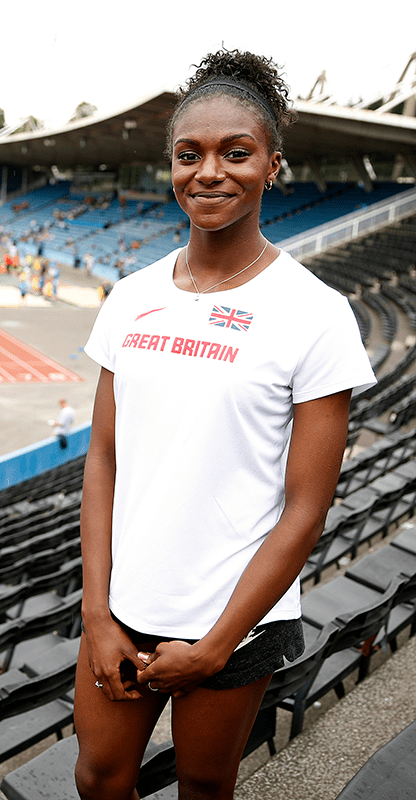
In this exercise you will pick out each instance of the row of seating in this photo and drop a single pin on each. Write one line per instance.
(376, 406)
(65, 478)
(377, 459)
(111, 233)
(363, 318)
(376, 280)
(344, 622)
(362, 515)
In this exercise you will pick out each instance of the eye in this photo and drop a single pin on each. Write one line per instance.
(237, 153)
(187, 155)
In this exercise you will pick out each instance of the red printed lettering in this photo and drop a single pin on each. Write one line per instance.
(231, 354)
(164, 340)
(154, 341)
(213, 350)
(127, 340)
(204, 347)
(188, 347)
(135, 340)
(143, 341)
(177, 345)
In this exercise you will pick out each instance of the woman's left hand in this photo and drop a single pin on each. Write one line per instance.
(176, 668)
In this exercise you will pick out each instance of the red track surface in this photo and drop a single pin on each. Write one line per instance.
(20, 363)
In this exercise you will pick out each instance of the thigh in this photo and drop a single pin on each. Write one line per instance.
(112, 735)
(211, 728)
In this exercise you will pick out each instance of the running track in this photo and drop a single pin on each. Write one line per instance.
(20, 363)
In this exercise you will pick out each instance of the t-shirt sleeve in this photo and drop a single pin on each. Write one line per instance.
(334, 358)
(100, 346)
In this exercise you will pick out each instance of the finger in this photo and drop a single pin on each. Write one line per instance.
(145, 675)
(146, 658)
(161, 647)
(118, 695)
(138, 659)
(114, 688)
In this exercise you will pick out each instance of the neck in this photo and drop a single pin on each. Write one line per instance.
(221, 253)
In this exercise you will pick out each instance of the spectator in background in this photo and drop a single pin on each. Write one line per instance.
(23, 281)
(88, 263)
(62, 425)
(104, 290)
(54, 273)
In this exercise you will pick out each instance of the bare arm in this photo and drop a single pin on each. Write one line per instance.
(315, 455)
(108, 645)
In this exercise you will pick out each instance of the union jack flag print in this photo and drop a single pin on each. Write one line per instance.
(230, 318)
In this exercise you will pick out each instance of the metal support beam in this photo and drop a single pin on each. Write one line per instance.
(317, 176)
(3, 191)
(361, 171)
(284, 188)
(410, 162)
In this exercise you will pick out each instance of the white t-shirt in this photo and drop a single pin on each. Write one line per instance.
(66, 417)
(204, 396)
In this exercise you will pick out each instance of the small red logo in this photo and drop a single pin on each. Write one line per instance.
(149, 312)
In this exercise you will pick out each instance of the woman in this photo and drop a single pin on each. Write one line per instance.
(218, 433)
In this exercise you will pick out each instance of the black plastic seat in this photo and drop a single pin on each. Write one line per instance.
(406, 540)
(350, 649)
(389, 773)
(57, 764)
(376, 570)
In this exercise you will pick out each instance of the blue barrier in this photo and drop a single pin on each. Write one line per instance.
(40, 457)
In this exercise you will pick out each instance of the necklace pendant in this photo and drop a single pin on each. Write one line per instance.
(197, 298)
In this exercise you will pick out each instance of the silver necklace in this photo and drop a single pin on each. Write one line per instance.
(198, 293)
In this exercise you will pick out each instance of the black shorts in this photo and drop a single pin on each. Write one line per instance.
(260, 653)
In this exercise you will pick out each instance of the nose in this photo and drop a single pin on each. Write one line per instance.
(210, 169)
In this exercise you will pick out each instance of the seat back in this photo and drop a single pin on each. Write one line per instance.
(359, 628)
(299, 675)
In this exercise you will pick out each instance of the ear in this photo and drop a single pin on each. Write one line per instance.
(274, 165)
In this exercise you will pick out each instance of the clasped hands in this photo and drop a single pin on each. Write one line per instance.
(175, 667)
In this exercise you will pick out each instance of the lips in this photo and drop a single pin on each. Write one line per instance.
(211, 197)
(210, 194)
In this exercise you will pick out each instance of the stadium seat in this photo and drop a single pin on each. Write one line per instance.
(389, 773)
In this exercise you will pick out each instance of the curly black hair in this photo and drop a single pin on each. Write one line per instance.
(258, 73)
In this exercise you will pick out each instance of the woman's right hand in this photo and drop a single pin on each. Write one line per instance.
(108, 647)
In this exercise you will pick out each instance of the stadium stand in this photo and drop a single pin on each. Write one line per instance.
(347, 617)
(337, 644)
(39, 524)
(67, 225)
(40, 572)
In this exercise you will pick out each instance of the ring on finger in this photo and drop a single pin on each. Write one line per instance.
(149, 683)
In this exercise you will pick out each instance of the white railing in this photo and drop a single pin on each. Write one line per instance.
(351, 226)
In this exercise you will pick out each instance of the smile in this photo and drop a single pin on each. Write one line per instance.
(211, 196)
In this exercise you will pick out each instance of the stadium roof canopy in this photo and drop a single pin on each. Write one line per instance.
(136, 135)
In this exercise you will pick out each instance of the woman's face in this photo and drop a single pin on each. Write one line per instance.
(220, 163)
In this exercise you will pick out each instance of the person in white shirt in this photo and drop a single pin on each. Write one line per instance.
(219, 427)
(63, 423)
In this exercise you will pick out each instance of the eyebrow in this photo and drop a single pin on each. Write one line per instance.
(231, 138)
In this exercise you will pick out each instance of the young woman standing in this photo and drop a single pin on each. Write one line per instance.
(219, 426)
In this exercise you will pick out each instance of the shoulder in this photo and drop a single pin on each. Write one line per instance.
(303, 280)
(299, 295)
